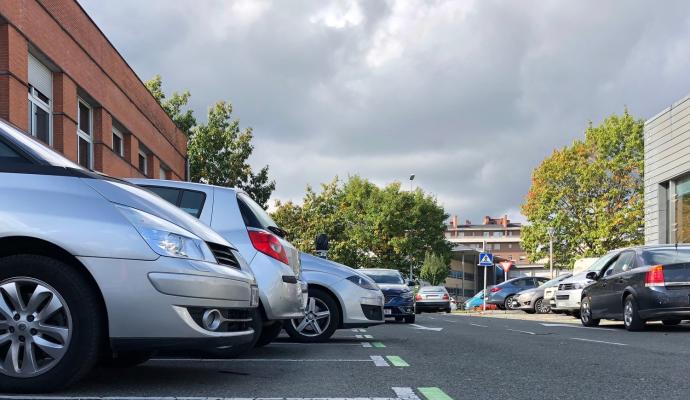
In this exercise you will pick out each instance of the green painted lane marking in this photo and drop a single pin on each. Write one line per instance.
(378, 344)
(397, 361)
(434, 393)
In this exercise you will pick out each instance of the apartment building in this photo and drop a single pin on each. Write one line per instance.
(496, 235)
(64, 83)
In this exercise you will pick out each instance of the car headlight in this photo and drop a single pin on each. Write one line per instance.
(166, 238)
(407, 295)
(579, 285)
(361, 282)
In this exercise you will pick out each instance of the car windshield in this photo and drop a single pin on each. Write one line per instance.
(666, 256)
(601, 262)
(37, 149)
(385, 277)
(554, 282)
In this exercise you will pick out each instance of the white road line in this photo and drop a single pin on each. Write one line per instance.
(527, 332)
(598, 341)
(426, 328)
(405, 393)
(258, 360)
(379, 361)
(577, 326)
(359, 336)
(366, 344)
(368, 337)
(310, 344)
(402, 393)
(481, 326)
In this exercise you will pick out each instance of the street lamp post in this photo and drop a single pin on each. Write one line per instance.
(551, 232)
(411, 179)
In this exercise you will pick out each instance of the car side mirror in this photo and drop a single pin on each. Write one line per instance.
(411, 283)
(592, 276)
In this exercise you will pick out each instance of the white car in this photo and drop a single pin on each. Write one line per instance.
(567, 297)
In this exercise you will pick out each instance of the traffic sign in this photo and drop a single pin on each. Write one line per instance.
(486, 259)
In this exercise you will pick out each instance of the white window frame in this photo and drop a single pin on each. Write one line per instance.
(121, 152)
(81, 134)
(35, 101)
(162, 172)
(146, 162)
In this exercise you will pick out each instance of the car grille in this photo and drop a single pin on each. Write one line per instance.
(565, 286)
(388, 299)
(223, 255)
(563, 297)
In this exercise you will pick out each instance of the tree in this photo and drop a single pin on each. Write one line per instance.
(434, 269)
(368, 226)
(591, 193)
(218, 151)
(184, 120)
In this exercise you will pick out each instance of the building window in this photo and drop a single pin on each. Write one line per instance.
(497, 246)
(118, 142)
(143, 163)
(510, 245)
(84, 135)
(163, 173)
(40, 104)
(682, 210)
(486, 234)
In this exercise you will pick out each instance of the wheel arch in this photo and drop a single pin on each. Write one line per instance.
(628, 291)
(335, 297)
(16, 245)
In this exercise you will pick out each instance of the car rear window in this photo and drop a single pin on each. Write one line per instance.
(254, 215)
(666, 256)
(190, 201)
(432, 289)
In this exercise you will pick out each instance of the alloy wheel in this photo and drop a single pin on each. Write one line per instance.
(585, 313)
(542, 307)
(35, 327)
(628, 313)
(316, 320)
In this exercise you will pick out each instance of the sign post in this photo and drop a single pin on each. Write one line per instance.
(485, 260)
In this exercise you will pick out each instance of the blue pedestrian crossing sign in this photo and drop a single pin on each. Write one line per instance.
(486, 259)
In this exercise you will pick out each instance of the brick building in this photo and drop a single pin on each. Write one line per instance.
(501, 236)
(62, 81)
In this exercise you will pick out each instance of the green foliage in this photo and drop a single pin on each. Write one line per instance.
(218, 151)
(368, 226)
(591, 193)
(184, 120)
(434, 269)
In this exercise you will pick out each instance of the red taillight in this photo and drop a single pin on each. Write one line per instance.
(495, 289)
(445, 297)
(655, 276)
(418, 297)
(268, 244)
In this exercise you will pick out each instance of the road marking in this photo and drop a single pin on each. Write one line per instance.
(527, 332)
(598, 341)
(359, 336)
(358, 330)
(368, 337)
(378, 344)
(434, 393)
(397, 361)
(258, 360)
(366, 344)
(481, 326)
(379, 361)
(401, 393)
(576, 326)
(426, 328)
(331, 343)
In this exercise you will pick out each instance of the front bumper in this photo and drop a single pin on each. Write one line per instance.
(361, 307)
(150, 304)
(283, 295)
(397, 306)
(523, 303)
(568, 300)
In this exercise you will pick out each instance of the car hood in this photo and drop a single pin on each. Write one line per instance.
(318, 264)
(577, 278)
(393, 288)
(130, 195)
(532, 291)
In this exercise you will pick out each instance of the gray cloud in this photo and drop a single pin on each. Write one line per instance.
(468, 95)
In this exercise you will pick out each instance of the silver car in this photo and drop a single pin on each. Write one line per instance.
(95, 267)
(534, 300)
(339, 297)
(274, 261)
(432, 298)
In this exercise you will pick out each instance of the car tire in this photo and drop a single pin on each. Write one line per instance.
(671, 322)
(67, 303)
(269, 333)
(399, 319)
(410, 319)
(540, 307)
(126, 359)
(448, 310)
(303, 330)
(508, 303)
(586, 314)
(631, 316)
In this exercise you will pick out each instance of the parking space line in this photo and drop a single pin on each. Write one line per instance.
(598, 341)
(366, 344)
(259, 360)
(481, 326)
(331, 343)
(397, 361)
(517, 330)
(405, 393)
(434, 393)
(368, 336)
(359, 336)
(379, 361)
(378, 344)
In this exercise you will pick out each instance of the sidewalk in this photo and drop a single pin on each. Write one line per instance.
(521, 315)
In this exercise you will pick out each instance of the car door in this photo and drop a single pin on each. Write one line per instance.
(619, 281)
(598, 290)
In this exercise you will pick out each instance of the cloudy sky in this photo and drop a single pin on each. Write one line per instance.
(468, 95)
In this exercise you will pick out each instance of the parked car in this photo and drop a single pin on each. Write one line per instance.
(502, 294)
(432, 298)
(532, 300)
(476, 301)
(399, 297)
(550, 298)
(274, 261)
(340, 297)
(567, 296)
(640, 284)
(93, 268)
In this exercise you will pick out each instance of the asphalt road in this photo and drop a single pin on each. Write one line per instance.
(459, 356)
